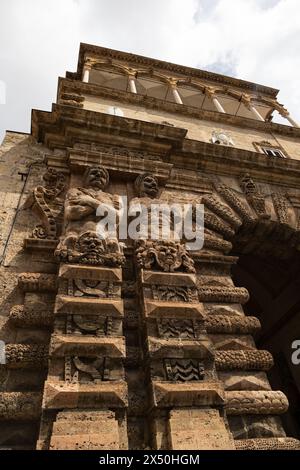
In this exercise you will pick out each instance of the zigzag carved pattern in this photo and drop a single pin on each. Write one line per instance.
(171, 328)
(184, 370)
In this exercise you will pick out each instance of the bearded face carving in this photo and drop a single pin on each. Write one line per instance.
(89, 249)
(147, 186)
(167, 256)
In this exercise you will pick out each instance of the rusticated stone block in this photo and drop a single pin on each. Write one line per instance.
(32, 314)
(37, 282)
(232, 325)
(177, 348)
(243, 360)
(26, 356)
(169, 395)
(278, 443)
(167, 279)
(157, 309)
(68, 345)
(59, 395)
(20, 406)
(258, 402)
(185, 426)
(92, 273)
(226, 294)
(85, 430)
(88, 306)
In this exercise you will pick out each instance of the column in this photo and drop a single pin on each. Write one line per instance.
(86, 73)
(184, 394)
(176, 95)
(255, 112)
(284, 113)
(85, 394)
(132, 84)
(215, 101)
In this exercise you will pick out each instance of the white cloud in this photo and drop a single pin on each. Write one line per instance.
(257, 40)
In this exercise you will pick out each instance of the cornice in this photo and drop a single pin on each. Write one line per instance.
(65, 126)
(231, 161)
(158, 104)
(167, 66)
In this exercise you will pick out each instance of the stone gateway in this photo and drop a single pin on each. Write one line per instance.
(111, 344)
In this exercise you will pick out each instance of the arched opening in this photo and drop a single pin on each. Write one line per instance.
(269, 267)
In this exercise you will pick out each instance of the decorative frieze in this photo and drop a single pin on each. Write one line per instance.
(243, 360)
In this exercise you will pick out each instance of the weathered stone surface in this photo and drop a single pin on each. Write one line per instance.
(20, 406)
(225, 324)
(258, 402)
(243, 360)
(85, 430)
(58, 395)
(279, 443)
(185, 426)
(26, 356)
(36, 282)
(223, 294)
(68, 345)
(192, 394)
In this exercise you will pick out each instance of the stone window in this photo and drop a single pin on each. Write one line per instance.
(270, 150)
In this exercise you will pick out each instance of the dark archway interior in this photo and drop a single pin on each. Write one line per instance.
(274, 287)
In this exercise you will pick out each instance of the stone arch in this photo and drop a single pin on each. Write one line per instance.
(262, 228)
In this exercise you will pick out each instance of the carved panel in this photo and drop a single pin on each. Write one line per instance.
(184, 370)
(174, 293)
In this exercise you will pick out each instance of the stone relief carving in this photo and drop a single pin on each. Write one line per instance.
(235, 202)
(24, 356)
(25, 318)
(232, 325)
(279, 443)
(45, 203)
(37, 282)
(94, 325)
(167, 256)
(221, 138)
(174, 293)
(281, 206)
(243, 360)
(89, 249)
(176, 328)
(85, 369)
(20, 405)
(253, 196)
(81, 243)
(208, 293)
(184, 370)
(93, 288)
(258, 402)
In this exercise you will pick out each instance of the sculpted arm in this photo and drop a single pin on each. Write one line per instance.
(79, 205)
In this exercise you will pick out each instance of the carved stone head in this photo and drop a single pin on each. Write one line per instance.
(247, 184)
(91, 247)
(147, 185)
(167, 256)
(96, 177)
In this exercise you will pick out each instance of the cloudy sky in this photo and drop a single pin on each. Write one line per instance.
(256, 40)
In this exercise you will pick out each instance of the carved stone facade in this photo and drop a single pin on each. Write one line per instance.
(144, 344)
